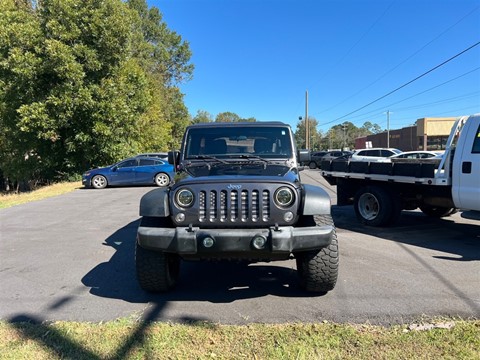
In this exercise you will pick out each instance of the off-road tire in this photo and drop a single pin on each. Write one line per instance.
(318, 269)
(157, 271)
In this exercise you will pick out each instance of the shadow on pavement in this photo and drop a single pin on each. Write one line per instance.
(216, 282)
(460, 239)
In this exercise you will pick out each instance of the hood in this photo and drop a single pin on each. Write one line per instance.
(238, 172)
(99, 169)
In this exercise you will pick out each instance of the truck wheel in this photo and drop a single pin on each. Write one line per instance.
(312, 165)
(156, 271)
(373, 206)
(318, 269)
(437, 211)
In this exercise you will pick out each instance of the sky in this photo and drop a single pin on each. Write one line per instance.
(357, 59)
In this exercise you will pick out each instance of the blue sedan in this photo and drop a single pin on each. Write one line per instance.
(133, 171)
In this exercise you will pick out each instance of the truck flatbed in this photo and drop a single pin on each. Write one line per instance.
(415, 171)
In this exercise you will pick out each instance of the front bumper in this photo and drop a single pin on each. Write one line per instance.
(282, 240)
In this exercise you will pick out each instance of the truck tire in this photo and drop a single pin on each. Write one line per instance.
(318, 269)
(373, 206)
(157, 271)
(312, 165)
(437, 211)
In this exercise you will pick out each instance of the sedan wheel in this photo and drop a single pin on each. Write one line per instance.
(99, 182)
(162, 179)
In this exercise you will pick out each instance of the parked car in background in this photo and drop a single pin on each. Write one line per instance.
(418, 155)
(160, 155)
(334, 155)
(132, 171)
(374, 154)
(316, 159)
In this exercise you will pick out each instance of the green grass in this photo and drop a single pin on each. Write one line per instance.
(127, 339)
(8, 200)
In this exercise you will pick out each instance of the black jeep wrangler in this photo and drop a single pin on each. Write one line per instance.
(237, 195)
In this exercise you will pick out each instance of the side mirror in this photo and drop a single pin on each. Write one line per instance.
(114, 168)
(303, 156)
(173, 157)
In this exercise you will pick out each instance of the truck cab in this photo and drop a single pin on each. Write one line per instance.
(466, 166)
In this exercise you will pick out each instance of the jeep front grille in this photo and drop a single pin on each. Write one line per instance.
(234, 205)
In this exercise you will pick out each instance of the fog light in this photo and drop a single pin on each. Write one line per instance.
(208, 242)
(259, 242)
(180, 217)
(288, 216)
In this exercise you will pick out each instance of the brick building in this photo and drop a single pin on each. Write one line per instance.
(427, 133)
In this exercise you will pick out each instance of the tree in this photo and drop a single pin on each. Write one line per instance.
(86, 85)
(227, 117)
(315, 135)
(202, 117)
(368, 128)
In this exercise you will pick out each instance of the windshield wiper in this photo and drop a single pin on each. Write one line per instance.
(208, 157)
(254, 157)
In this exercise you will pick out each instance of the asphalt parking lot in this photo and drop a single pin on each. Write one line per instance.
(71, 257)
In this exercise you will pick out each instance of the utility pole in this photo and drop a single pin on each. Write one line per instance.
(307, 124)
(388, 128)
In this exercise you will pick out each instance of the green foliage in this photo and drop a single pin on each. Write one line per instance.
(85, 84)
(340, 136)
(202, 117)
(315, 135)
(232, 117)
(227, 117)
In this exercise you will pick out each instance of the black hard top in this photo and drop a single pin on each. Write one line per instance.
(234, 124)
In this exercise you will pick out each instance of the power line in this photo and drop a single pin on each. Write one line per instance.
(403, 62)
(406, 84)
(417, 94)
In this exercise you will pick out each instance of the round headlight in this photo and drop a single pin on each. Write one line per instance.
(184, 198)
(284, 197)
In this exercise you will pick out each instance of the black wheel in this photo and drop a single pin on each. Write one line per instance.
(437, 211)
(312, 165)
(373, 206)
(99, 182)
(157, 271)
(318, 270)
(162, 179)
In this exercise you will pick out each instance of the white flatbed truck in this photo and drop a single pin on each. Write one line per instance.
(379, 191)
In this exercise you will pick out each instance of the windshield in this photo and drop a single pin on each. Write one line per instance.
(230, 142)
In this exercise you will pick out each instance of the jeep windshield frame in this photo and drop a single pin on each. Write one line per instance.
(243, 142)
